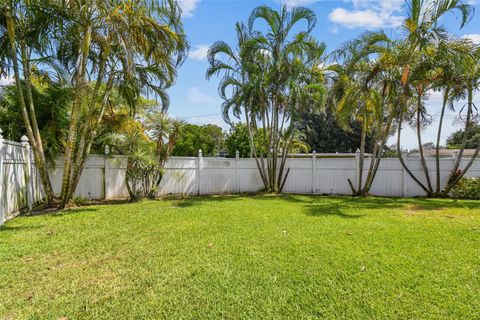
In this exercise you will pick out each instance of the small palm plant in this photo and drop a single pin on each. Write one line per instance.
(148, 151)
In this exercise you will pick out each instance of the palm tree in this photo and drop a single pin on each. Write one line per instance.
(470, 81)
(244, 77)
(148, 151)
(363, 92)
(457, 78)
(422, 32)
(272, 76)
(25, 27)
(133, 45)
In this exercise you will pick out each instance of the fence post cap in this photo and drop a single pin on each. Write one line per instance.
(24, 139)
(314, 152)
(1, 131)
(358, 151)
(199, 152)
(237, 153)
(107, 149)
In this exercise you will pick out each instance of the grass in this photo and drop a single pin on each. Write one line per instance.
(245, 257)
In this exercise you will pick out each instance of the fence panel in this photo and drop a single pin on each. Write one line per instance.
(20, 185)
(104, 176)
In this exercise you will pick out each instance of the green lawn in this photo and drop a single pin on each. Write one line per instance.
(245, 257)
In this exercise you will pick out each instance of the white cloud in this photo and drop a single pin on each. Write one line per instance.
(188, 7)
(474, 37)
(370, 14)
(199, 53)
(214, 119)
(196, 96)
(6, 81)
(333, 30)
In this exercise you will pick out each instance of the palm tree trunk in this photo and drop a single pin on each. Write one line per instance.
(400, 157)
(37, 153)
(439, 136)
(42, 164)
(91, 131)
(86, 130)
(282, 179)
(362, 159)
(420, 149)
(451, 185)
(468, 125)
(373, 162)
(75, 116)
(379, 155)
(260, 166)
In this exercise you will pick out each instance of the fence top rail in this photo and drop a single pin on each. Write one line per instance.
(13, 143)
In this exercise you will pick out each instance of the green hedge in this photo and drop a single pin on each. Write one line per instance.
(467, 188)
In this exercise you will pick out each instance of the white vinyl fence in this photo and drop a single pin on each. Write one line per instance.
(104, 177)
(20, 185)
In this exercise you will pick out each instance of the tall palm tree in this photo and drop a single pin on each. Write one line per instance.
(456, 78)
(470, 81)
(269, 78)
(25, 27)
(363, 92)
(423, 30)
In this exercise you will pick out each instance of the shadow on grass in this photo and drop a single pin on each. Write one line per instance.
(349, 202)
(190, 201)
(328, 210)
(332, 203)
(315, 205)
(60, 213)
(6, 228)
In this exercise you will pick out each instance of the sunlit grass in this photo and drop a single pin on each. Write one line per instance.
(245, 257)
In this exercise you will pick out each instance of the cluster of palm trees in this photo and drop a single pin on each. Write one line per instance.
(271, 78)
(378, 81)
(99, 49)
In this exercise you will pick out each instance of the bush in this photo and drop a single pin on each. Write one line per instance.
(467, 188)
(80, 201)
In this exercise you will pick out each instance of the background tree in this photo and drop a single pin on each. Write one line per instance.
(455, 140)
(209, 138)
(238, 139)
(52, 104)
(323, 134)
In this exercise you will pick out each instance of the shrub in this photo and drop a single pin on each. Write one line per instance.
(80, 201)
(467, 188)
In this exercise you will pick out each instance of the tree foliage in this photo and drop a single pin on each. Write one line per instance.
(209, 138)
(132, 47)
(324, 135)
(456, 139)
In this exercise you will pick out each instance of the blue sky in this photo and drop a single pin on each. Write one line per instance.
(206, 21)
